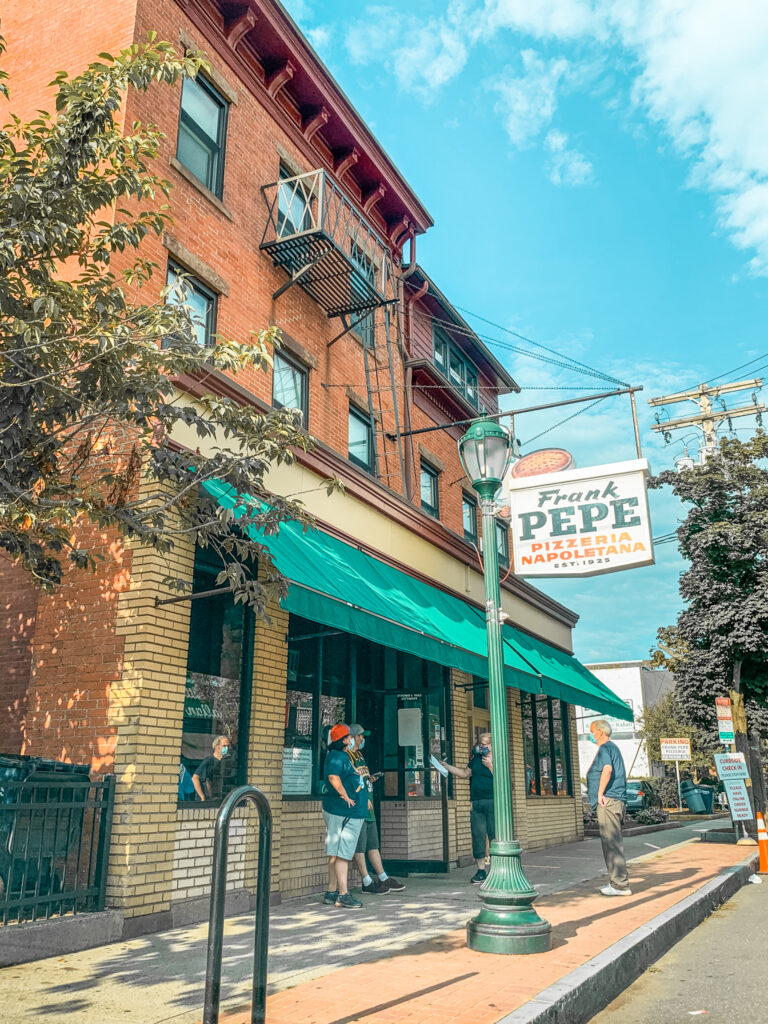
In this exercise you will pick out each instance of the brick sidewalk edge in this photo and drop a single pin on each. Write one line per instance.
(577, 997)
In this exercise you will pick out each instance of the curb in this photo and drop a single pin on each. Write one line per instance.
(590, 988)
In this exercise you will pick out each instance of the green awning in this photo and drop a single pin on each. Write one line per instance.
(565, 677)
(338, 585)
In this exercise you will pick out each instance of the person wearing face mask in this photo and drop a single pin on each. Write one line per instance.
(345, 806)
(482, 820)
(368, 843)
(207, 776)
(607, 789)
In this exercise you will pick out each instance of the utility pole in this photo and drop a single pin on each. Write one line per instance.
(708, 419)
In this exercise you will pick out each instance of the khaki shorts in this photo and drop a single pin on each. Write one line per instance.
(341, 835)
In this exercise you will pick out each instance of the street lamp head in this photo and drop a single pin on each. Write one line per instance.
(486, 452)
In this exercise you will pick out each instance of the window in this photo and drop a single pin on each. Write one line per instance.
(200, 303)
(294, 203)
(430, 493)
(360, 440)
(546, 746)
(367, 268)
(469, 516)
(289, 384)
(502, 544)
(333, 677)
(454, 365)
(218, 688)
(202, 132)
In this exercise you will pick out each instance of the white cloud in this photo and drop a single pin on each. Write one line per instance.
(567, 166)
(699, 73)
(528, 101)
(320, 37)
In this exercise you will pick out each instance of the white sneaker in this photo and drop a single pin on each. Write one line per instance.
(608, 890)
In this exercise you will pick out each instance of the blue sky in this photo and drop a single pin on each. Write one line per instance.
(598, 175)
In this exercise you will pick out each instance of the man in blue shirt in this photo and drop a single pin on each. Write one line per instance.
(345, 808)
(607, 788)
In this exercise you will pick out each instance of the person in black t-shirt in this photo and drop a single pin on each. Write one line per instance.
(482, 820)
(207, 776)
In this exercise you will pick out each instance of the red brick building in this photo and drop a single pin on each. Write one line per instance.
(287, 211)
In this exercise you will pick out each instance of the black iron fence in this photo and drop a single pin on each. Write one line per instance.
(55, 826)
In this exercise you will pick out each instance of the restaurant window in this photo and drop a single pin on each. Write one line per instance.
(289, 384)
(200, 303)
(203, 132)
(546, 747)
(430, 491)
(360, 440)
(469, 517)
(218, 683)
(502, 544)
(335, 677)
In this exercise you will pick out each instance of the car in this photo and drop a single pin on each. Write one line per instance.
(641, 795)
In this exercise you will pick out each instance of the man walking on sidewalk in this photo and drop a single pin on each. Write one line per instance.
(607, 788)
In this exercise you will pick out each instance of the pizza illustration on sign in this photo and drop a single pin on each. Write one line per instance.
(545, 460)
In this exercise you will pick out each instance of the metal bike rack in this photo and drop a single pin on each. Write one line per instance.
(243, 794)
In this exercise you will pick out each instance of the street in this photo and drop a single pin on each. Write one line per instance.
(717, 971)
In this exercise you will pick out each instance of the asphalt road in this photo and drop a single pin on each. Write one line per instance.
(719, 968)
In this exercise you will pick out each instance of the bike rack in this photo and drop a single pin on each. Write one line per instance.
(243, 794)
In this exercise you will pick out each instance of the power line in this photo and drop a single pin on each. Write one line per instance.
(567, 418)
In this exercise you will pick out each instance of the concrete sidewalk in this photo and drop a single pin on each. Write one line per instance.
(411, 941)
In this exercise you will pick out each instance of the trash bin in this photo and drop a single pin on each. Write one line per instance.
(692, 797)
(707, 794)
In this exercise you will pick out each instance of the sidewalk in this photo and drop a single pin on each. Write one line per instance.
(334, 967)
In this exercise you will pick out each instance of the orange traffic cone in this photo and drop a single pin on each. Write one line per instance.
(762, 845)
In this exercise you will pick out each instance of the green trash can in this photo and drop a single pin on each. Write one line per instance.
(692, 797)
(707, 794)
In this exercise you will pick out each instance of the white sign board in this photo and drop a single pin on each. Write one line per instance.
(738, 799)
(675, 749)
(582, 522)
(297, 771)
(731, 766)
(724, 719)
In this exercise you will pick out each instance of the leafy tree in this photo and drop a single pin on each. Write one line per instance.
(719, 644)
(664, 719)
(89, 350)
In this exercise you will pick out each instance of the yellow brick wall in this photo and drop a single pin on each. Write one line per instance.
(147, 707)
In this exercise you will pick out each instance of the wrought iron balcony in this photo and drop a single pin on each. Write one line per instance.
(316, 234)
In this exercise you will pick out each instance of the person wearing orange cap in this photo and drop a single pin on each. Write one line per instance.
(345, 808)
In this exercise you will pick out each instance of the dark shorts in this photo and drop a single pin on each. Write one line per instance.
(482, 822)
(369, 837)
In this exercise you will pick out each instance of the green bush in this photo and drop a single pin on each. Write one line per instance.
(667, 790)
(652, 816)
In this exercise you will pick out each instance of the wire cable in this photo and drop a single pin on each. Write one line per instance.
(573, 416)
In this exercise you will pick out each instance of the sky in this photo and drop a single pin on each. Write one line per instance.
(597, 171)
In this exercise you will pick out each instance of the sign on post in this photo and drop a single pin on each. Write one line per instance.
(581, 522)
(675, 749)
(738, 799)
(724, 719)
(731, 766)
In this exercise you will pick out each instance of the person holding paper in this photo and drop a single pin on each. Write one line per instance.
(482, 820)
(368, 841)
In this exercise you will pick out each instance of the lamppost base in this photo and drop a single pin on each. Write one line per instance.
(507, 922)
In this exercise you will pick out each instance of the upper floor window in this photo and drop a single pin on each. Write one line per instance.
(430, 492)
(199, 301)
(502, 544)
(289, 384)
(203, 132)
(294, 203)
(360, 440)
(469, 516)
(454, 365)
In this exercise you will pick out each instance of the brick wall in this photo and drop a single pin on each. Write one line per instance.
(193, 851)
(18, 616)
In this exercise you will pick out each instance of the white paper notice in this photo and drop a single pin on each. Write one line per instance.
(436, 765)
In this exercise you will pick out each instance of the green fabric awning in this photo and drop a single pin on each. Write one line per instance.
(340, 586)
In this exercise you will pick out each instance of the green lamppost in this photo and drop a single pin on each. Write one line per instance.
(507, 922)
